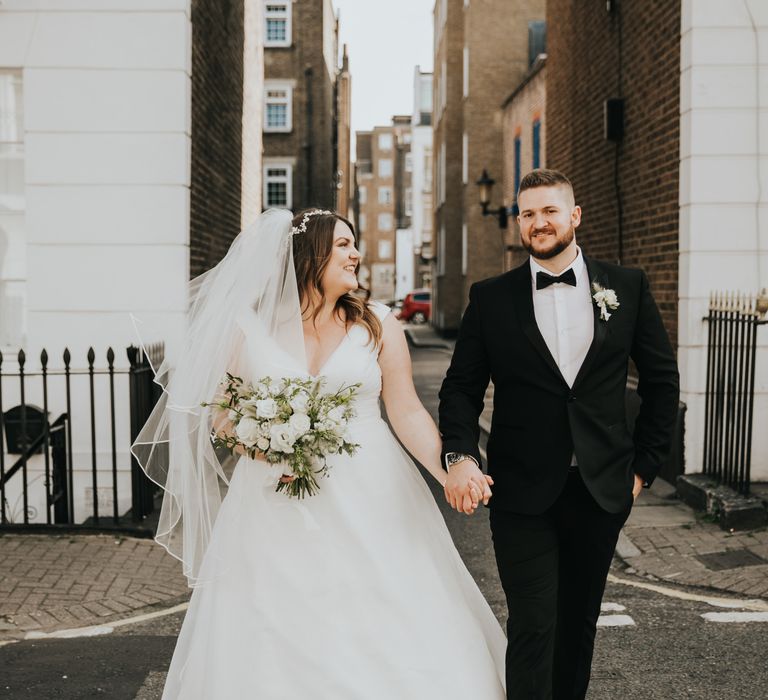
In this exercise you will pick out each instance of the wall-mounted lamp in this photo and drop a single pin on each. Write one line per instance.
(486, 183)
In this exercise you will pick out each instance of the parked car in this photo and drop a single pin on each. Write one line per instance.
(417, 306)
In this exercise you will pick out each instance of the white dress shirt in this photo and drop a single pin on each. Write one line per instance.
(565, 317)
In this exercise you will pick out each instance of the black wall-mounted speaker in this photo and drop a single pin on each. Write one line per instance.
(613, 118)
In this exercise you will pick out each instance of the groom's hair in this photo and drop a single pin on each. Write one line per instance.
(542, 177)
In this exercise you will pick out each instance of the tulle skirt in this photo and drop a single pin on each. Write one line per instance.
(357, 593)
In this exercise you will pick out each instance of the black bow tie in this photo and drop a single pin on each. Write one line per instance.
(543, 280)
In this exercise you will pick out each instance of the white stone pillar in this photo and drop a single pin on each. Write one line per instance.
(723, 192)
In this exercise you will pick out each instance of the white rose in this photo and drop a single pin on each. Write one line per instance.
(300, 402)
(263, 444)
(336, 416)
(610, 298)
(282, 438)
(248, 431)
(233, 416)
(266, 408)
(300, 423)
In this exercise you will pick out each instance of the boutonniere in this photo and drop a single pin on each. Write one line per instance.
(605, 299)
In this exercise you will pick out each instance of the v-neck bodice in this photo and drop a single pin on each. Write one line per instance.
(353, 361)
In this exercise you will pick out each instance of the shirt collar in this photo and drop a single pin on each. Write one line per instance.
(577, 265)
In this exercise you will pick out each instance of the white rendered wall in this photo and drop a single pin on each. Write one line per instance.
(107, 129)
(404, 263)
(723, 191)
(421, 142)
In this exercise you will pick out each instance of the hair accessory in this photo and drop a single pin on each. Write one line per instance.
(302, 227)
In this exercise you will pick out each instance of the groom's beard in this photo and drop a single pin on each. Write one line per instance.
(560, 244)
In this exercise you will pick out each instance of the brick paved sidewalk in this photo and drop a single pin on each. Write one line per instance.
(664, 538)
(51, 582)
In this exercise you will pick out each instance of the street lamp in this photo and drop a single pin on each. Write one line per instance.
(486, 183)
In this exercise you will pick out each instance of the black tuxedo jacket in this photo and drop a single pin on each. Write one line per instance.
(538, 420)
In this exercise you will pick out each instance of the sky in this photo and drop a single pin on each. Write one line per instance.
(386, 40)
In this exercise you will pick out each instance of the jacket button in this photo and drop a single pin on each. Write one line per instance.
(571, 398)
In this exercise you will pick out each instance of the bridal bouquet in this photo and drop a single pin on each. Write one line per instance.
(290, 422)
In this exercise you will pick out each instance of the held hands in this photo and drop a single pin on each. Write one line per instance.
(466, 486)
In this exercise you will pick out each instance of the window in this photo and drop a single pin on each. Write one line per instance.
(385, 195)
(441, 251)
(385, 167)
(426, 218)
(277, 18)
(278, 107)
(362, 194)
(361, 223)
(465, 73)
(385, 250)
(408, 204)
(537, 143)
(465, 158)
(385, 222)
(443, 84)
(409, 162)
(441, 181)
(278, 185)
(537, 40)
(517, 163)
(385, 142)
(428, 170)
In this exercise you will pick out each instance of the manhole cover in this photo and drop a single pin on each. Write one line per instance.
(731, 559)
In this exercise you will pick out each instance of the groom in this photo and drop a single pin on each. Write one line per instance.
(555, 336)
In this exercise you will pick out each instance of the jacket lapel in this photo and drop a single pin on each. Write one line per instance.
(596, 273)
(522, 297)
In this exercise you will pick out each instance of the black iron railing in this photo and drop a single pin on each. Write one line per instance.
(26, 431)
(733, 321)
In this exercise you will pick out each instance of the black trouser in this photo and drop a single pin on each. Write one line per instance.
(553, 568)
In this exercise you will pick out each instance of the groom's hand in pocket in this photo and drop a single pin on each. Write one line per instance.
(466, 486)
(639, 481)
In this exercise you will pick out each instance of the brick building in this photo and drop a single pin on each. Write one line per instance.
(381, 184)
(225, 116)
(301, 118)
(524, 143)
(481, 54)
(628, 189)
(679, 194)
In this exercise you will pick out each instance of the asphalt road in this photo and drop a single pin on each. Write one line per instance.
(667, 651)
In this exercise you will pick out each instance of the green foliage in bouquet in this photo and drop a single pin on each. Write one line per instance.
(289, 421)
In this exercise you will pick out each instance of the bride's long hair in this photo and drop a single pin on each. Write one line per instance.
(311, 253)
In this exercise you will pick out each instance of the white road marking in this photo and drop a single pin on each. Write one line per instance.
(736, 616)
(615, 621)
(611, 607)
(92, 631)
(96, 630)
(751, 604)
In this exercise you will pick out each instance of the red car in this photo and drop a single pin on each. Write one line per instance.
(417, 306)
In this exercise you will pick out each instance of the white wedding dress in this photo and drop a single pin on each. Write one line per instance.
(357, 593)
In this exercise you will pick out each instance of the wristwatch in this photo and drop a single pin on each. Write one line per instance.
(452, 458)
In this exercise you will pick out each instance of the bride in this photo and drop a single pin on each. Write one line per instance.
(356, 592)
